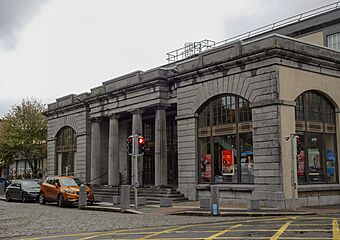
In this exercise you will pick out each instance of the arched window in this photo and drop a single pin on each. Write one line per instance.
(225, 143)
(66, 149)
(315, 126)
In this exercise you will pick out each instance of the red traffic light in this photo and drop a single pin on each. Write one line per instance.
(130, 139)
(141, 140)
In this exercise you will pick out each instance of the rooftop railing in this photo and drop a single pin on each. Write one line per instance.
(193, 48)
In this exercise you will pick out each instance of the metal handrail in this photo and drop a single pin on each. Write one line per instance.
(180, 54)
(125, 180)
(97, 177)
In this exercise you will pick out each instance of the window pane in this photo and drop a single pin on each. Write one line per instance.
(330, 158)
(231, 109)
(244, 114)
(299, 109)
(204, 116)
(301, 159)
(225, 159)
(315, 159)
(333, 41)
(247, 163)
(219, 111)
(205, 160)
(313, 107)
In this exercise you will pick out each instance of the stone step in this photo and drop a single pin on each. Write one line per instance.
(152, 194)
(175, 195)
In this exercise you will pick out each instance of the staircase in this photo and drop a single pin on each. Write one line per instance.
(104, 193)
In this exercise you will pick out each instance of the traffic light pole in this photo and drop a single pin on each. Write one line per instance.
(135, 185)
(135, 148)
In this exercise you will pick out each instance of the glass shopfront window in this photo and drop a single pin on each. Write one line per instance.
(316, 145)
(66, 149)
(225, 141)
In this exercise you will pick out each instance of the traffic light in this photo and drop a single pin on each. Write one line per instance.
(140, 142)
(129, 145)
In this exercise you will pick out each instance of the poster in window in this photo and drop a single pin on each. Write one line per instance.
(227, 162)
(301, 163)
(206, 166)
(330, 155)
(314, 161)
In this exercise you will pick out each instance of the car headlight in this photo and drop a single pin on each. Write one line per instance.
(69, 191)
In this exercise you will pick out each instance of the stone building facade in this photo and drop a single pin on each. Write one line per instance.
(225, 116)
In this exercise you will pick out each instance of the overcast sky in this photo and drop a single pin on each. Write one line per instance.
(51, 48)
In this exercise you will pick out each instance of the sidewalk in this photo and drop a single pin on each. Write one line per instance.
(191, 208)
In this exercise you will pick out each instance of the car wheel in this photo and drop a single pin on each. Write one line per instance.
(61, 202)
(24, 198)
(8, 198)
(42, 199)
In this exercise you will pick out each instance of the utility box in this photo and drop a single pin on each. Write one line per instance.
(215, 201)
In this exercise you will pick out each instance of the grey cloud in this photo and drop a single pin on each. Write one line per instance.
(14, 15)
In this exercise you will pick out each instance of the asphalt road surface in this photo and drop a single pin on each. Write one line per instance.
(306, 227)
(34, 221)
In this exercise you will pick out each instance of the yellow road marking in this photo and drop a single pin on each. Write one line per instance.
(165, 231)
(223, 232)
(336, 233)
(306, 238)
(258, 219)
(280, 231)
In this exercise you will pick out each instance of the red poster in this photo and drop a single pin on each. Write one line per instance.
(227, 162)
(301, 163)
(206, 164)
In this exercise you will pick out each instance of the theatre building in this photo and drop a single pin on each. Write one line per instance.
(224, 114)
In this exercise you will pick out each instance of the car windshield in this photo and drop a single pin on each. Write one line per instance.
(30, 184)
(70, 182)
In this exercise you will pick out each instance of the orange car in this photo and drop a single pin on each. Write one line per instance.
(64, 190)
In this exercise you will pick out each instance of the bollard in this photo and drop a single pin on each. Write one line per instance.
(82, 196)
(214, 199)
(125, 197)
(2, 188)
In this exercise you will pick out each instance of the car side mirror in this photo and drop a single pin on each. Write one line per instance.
(57, 185)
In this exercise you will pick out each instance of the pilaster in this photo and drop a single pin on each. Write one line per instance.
(137, 128)
(113, 173)
(95, 151)
(161, 162)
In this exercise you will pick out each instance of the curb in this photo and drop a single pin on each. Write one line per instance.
(110, 209)
(242, 214)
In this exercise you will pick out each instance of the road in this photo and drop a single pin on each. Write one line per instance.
(34, 221)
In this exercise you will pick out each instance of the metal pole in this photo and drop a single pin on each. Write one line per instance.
(136, 180)
(294, 154)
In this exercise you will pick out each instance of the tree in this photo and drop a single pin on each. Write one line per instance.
(23, 134)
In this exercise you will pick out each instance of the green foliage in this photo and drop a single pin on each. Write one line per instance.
(23, 133)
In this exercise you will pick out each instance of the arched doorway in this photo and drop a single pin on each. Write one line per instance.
(316, 128)
(225, 143)
(66, 148)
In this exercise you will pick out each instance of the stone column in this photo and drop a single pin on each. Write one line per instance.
(137, 128)
(95, 152)
(113, 173)
(161, 162)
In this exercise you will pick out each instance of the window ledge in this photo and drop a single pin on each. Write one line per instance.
(227, 187)
(318, 187)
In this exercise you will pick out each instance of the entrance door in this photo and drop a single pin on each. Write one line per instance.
(149, 153)
(172, 151)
